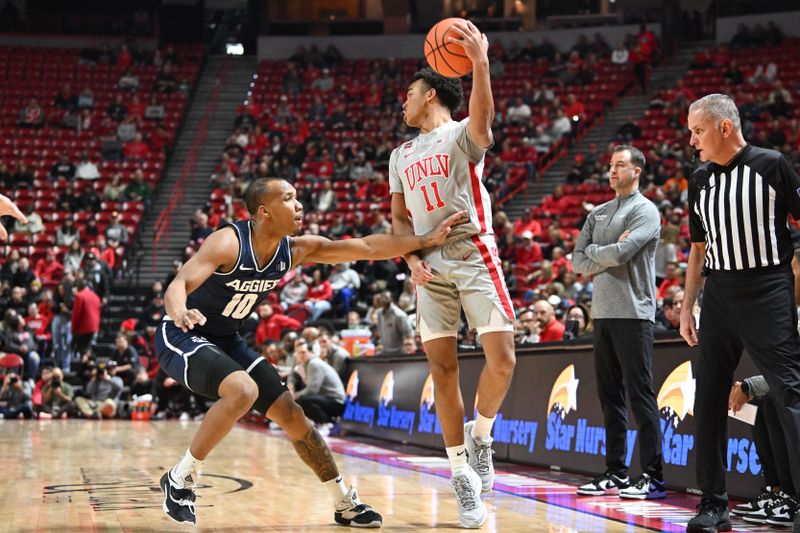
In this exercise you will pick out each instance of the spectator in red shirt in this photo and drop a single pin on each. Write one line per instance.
(39, 325)
(124, 59)
(672, 278)
(647, 42)
(550, 329)
(273, 322)
(85, 317)
(136, 149)
(574, 108)
(49, 269)
(136, 107)
(318, 297)
(527, 223)
(529, 253)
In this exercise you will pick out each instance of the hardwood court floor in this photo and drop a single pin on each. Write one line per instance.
(82, 475)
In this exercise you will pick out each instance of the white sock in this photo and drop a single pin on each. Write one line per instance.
(457, 455)
(483, 428)
(188, 467)
(337, 488)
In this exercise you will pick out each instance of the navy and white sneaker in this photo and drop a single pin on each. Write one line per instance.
(760, 516)
(479, 456)
(607, 483)
(350, 511)
(783, 515)
(756, 504)
(644, 487)
(178, 502)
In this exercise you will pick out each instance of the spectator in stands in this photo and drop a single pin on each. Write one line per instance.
(528, 255)
(201, 230)
(15, 397)
(574, 109)
(126, 131)
(16, 301)
(541, 141)
(117, 110)
(345, 282)
(294, 292)
(23, 177)
(324, 82)
(577, 322)
(360, 167)
(116, 232)
(86, 99)
(49, 269)
(393, 325)
(128, 82)
(17, 338)
(23, 276)
(86, 169)
(319, 295)
(97, 274)
(527, 328)
(154, 109)
(519, 113)
(34, 225)
(88, 200)
(86, 311)
(139, 190)
(126, 360)
(550, 329)
(527, 223)
(73, 258)
(764, 73)
(325, 199)
(67, 233)
(57, 396)
(562, 126)
(411, 347)
(779, 100)
(323, 397)
(629, 131)
(620, 55)
(669, 318)
(103, 394)
(115, 189)
(136, 149)
(666, 252)
(672, 278)
(32, 115)
(332, 353)
(166, 81)
(273, 323)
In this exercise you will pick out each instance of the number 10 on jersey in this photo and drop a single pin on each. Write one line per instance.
(434, 188)
(240, 305)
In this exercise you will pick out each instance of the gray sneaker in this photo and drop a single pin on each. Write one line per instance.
(471, 510)
(479, 456)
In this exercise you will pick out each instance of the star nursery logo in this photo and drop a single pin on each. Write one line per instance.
(387, 389)
(353, 410)
(352, 386)
(675, 402)
(564, 394)
(428, 421)
(390, 416)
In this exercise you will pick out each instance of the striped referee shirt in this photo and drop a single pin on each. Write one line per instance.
(740, 210)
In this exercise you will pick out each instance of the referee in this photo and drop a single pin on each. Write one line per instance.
(739, 200)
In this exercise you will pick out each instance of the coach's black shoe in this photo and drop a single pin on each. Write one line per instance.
(351, 512)
(710, 518)
(178, 503)
(796, 522)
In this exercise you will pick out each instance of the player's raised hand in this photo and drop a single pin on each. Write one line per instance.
(189, 318)
(475, 43)
(7, 207)
(438, 235)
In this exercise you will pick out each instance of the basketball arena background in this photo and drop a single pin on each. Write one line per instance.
(229, 57)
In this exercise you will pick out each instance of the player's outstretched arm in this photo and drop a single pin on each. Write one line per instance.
(372, 247)
(401, 225)
(481, 103)
(7, 207)
(221, 249)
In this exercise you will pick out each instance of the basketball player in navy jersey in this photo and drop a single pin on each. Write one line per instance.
(198, 344)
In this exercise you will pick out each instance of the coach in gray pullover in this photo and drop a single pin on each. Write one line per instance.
(618, 246)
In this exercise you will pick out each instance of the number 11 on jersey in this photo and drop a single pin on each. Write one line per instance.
(435, 188)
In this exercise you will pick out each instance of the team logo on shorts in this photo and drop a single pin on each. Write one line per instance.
(387, 389)
(676, 397)
(564, 395)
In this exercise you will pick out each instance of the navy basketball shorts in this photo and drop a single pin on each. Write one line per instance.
(201, 362)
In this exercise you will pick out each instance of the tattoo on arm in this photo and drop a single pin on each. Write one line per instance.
(314, 452)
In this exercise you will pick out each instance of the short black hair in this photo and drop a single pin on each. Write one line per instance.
(255, 191)
(448, 90)
(637, 157)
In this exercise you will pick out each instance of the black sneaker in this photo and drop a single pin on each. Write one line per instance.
(756, 504)
(796, 524)
(351, 512)
(178, 503)
(604, 484)
(783, 515)
(644, 487)
(760, 516)
(710, 518)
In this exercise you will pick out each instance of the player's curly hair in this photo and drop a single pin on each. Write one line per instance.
(448, 90)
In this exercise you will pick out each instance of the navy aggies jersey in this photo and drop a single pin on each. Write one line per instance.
(226, 299)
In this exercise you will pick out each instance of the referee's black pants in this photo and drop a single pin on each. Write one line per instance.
(753, 310)
(623, 360)
(770, 442)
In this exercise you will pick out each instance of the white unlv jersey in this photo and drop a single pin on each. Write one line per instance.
(440, 174)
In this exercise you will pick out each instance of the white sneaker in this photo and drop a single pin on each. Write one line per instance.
(479, 456)
(351, 511)
(184, 417)
(645, 487)
(471, 510)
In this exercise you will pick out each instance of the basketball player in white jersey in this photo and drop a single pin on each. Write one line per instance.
(431, 177)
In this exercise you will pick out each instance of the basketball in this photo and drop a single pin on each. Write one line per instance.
(446, 58)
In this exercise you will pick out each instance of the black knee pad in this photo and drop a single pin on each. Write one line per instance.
(270, 386)
(207, 368)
